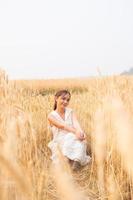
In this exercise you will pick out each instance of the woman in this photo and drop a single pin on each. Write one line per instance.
(67, 133)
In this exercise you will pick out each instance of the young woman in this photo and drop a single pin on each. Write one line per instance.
(67, 133)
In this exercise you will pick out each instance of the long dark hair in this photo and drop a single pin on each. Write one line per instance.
(60, 93)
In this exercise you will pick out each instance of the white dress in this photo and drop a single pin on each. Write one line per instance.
(67, 142)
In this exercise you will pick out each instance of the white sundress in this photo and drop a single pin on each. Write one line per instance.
(69, 145)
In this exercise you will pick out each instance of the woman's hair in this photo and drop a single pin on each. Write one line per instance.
(60, 93)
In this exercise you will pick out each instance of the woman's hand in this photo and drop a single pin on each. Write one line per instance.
(80, 135)
(83, 135)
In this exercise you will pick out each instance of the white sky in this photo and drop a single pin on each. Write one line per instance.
(65, 38)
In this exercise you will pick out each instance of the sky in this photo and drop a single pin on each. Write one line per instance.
(65, 38)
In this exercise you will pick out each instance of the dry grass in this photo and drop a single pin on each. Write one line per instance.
(104, 107)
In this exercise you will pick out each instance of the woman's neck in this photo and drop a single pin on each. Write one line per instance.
(60, 110)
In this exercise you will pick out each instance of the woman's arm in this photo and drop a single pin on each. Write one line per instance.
(60, 125)
(77, 125)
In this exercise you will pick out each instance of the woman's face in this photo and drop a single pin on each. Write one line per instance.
(63, 100)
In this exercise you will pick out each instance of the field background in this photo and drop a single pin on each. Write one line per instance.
(104, 106)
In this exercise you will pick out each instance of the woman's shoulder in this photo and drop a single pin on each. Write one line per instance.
(69, 109)
(52, 113)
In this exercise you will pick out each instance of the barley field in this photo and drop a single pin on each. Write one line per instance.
(104, 106)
